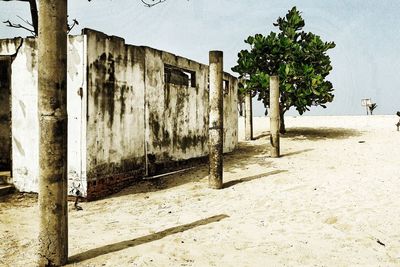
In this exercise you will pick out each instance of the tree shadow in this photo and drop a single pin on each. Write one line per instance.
(315, 134)
(251, 178)
(93, 253)
(248, 153)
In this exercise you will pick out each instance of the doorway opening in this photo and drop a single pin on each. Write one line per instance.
(5, 118)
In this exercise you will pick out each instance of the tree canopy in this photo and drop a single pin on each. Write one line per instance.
(300, 60)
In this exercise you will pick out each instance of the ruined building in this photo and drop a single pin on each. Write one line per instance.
(133, 111)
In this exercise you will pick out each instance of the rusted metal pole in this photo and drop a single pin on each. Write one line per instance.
(274, 115)
(215, 131)
(248, 117)
(53, 226)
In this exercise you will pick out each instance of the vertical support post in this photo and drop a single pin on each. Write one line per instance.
(53, 225)
(274, 115)
(249, 117)
(215, 131)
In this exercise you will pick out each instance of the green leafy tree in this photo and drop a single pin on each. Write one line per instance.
(299, 59)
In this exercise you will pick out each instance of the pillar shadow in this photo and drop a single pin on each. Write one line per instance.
(165, 181)
(251, 178)
(93, 253)
(263, 134)
(243, 155)
(296, 152)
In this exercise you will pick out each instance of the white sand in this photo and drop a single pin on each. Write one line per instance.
(326, 202)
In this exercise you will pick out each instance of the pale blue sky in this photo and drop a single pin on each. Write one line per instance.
(366, 60)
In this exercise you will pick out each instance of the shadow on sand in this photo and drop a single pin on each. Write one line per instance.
(251, 178)
(247, 153)
(244, 155)
(93, 253)
(163, 182)
(315, 134)
(263, 134)
(296, 152)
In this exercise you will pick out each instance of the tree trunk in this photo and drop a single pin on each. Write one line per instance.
(240, 106)
(274, 116)
(215, 130)
(53, 226)
(248, 117)
(282, 128)
(34, 16)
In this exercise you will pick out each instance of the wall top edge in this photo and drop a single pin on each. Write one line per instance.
(88, 31)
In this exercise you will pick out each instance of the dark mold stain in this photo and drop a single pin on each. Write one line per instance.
(122, 99)
(124, 166)
(161, 137)
(191, 140)
(167, 92)
(105, 85)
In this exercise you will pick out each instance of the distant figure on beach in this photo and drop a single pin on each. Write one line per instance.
(398, 123)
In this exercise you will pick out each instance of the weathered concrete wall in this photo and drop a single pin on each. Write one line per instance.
(115, 123)
(132, 111)
(25, 130)
(146, 104)
(24, 112)
(230, 112)
(177, 114)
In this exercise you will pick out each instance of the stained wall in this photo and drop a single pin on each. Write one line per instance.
(177, 112)
(115, 122)
(133, 111)
(147, 112)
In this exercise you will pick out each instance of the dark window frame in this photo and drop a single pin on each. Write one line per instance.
(225, 86)
(172, 73)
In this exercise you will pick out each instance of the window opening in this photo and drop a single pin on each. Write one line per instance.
(179, 76)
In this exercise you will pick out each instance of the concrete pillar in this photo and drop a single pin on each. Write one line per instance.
(215, 131)
(53, 225)
(274, 115)
(248, 117)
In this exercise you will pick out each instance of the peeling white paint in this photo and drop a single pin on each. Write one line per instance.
(25, 121)
(76, 109)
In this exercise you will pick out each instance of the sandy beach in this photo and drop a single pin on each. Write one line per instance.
(332, 199)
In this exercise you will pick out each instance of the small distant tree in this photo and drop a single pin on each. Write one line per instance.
(371, 107)
(299, 59)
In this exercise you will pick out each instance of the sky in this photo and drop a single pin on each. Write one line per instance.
(366, 59)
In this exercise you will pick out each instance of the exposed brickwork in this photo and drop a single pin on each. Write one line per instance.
(102, 186)
(169, 166)
(106, 185)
